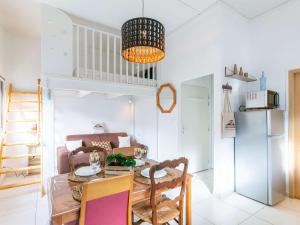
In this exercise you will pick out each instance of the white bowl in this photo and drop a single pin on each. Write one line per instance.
(158, 174)
(86, 171)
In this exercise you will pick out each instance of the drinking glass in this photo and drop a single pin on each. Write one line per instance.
(94, 161)
(138, 153)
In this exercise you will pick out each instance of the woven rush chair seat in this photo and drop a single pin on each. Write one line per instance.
(144, 211)
(160, 210)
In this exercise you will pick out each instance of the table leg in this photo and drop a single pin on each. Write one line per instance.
(188, 200)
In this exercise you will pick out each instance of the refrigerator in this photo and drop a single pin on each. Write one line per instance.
(259, 155)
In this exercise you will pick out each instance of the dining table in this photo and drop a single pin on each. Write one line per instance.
(64, 208)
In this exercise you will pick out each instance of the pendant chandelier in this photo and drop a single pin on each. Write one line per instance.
(143, 40)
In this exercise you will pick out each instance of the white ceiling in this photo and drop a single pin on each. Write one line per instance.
(20, 16)
(23, 15)
(253, 8)
(172, 13)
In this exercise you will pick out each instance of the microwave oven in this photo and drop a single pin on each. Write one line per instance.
(262, 100)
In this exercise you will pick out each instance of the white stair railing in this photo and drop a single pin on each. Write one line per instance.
(97, 56)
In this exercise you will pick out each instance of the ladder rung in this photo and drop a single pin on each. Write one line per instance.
(24, 93)
(20, 156)
(21, 132)
(20, 184)
(20, 169)
(22, 121)
(22, 110)
(24, 101)
(20, 144)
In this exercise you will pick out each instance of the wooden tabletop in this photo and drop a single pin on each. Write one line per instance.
(62, 203)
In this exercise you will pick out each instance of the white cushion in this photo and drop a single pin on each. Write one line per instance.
(73, 145)
(124, 142)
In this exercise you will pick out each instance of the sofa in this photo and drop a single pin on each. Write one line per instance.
(87, 139)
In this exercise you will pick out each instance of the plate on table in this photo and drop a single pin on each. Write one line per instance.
(86, 171)
(158, 174)
(139, 162)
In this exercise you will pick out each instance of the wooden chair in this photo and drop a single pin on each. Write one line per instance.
(107, 202)
(127, 151)
(80, 156)
(161, 209)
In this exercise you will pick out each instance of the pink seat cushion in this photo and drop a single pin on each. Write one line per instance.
(109, 210)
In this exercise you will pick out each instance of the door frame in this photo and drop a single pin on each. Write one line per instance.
(291, 132)
(211, 109)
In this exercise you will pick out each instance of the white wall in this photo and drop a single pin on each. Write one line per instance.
(22, 61)
(275, 50)
(218, 38)
(202, 47)
(276, 46)
(56, 42)
(74, 115)
(146, 124)
(2, 44)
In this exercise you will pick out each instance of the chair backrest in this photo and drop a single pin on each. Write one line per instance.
(127, 151)
(179, 181)
(80, 156)
(107, 201)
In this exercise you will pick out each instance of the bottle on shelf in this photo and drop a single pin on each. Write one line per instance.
(263, 82)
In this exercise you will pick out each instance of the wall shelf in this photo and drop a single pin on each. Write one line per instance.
(229, 74)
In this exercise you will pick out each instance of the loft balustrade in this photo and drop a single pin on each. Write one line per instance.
(97, 56)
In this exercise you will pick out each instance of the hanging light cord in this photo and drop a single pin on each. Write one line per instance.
(143, 8)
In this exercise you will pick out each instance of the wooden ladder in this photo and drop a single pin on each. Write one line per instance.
(35, 160)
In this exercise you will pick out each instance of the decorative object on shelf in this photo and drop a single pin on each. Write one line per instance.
(143, 40)
(246, 74)
(235, 69)
(166, 98)
(119, 164)
(241, 73)
(228, 120)
(230, 74)
(263, 82)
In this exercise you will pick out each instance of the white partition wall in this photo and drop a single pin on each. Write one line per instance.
(56, 43)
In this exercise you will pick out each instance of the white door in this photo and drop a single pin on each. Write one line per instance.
(195, 139)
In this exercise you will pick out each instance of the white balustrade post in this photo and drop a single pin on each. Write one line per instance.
(100, 56)
(85, 52)
(78, 51)
(93, 52)
(107, 58)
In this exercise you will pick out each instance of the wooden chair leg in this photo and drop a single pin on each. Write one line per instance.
(180, 222)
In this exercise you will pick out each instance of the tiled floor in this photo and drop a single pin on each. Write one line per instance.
(23, 206)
